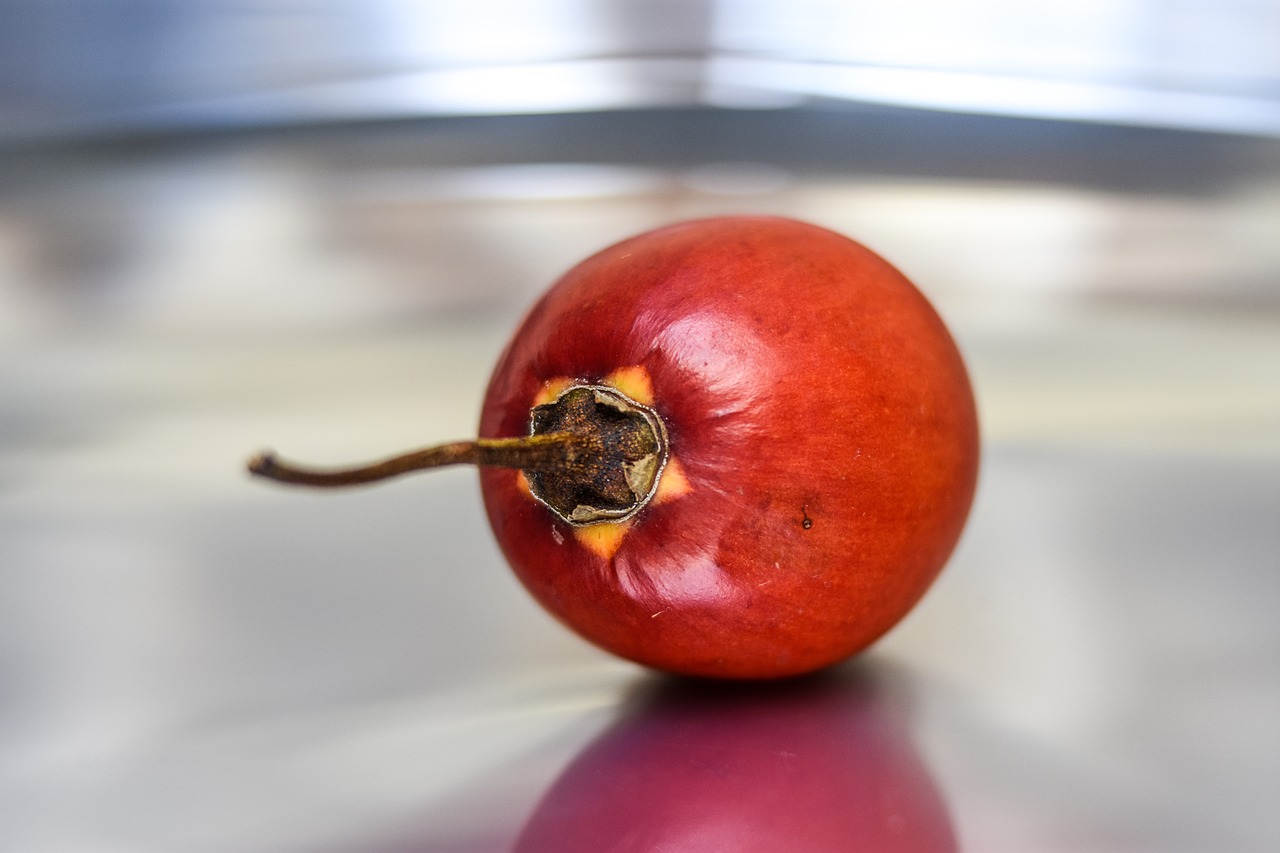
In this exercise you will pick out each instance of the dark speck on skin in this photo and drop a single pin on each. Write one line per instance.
(806, 522)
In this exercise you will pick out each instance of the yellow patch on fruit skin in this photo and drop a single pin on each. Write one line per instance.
(632, 381)
(603, 538)
(672, 484)
(522, 483)
(551, 390)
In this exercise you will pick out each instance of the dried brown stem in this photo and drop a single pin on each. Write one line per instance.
(530, 453)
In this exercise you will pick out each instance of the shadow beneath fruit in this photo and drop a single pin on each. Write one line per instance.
(814, 764)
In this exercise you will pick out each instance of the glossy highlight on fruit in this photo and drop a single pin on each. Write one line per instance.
(739, 447)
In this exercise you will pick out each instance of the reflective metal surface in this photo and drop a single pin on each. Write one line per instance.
(190, 661)
(70, 67)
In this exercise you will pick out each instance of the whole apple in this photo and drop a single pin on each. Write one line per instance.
(739, 447)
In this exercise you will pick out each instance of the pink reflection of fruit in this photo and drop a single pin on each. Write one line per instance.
(813, 766)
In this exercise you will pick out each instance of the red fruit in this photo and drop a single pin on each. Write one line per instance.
(823, 447)
(754, 446)
(817, 767)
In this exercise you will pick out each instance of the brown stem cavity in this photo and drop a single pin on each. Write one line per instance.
(621, 452)
(592, 455)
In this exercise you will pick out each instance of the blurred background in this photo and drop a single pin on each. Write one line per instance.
(311, 224)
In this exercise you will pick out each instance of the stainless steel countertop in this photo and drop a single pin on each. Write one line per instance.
(190, 661)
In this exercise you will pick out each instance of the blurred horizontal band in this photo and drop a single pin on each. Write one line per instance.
(71, 67)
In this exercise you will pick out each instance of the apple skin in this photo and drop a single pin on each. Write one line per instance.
(822, 420)
(823, 765)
